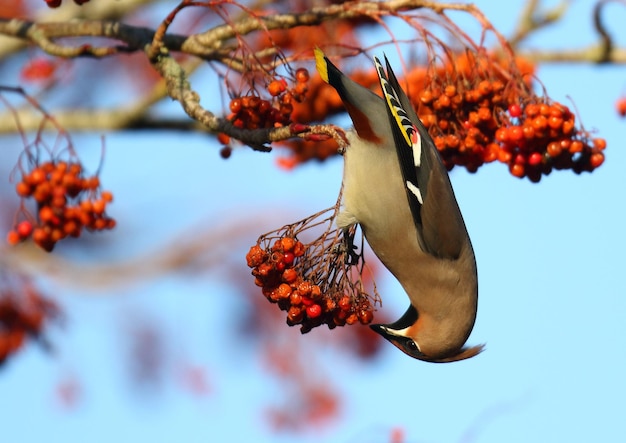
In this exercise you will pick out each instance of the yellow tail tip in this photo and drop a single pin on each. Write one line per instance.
(320, 64)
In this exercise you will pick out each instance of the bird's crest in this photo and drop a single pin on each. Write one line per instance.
(320, 64)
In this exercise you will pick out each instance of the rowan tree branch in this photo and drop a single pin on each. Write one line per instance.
(222, 43)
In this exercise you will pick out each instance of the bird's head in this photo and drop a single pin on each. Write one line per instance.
(405, 335)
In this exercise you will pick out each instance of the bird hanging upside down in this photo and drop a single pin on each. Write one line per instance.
(398, 190)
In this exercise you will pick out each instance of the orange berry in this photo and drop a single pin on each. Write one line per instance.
(276, 87)
(504, 156)
(568, 127)
(287, 244)
(107, 196)
(304, 288)
(450, 91)
(23, 189)
(554, 149)
(46, 214)
(352, 319)
(531, 110)
(596, 159)
(223, 138)
(13, 238)
(620, 105)
(365, 316)
(540, 122)
(295, 299)
(283, 291)
(555, 122)
(516, 133)
(345, 303)
(316, 292)
(99, 224)
(75, 168)
(576, 146)
(599, 144)
(92, 182)
(71, 228)
(426, 96)
(529, 132)
(295, 315)
(36, 176)
(57, 235)
(290, 275)
(502, 135)
(485, 88)
(299, 249)
(40, 235)
(443, 102)
(98, 206)
(518, 170)
(484, 113)
(302, 75)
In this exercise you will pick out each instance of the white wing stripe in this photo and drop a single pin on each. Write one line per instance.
(416, 191)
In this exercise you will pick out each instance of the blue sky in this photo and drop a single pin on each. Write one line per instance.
(551, 309)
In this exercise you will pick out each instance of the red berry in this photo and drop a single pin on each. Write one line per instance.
(53, 3)
(235, 105)
(313, 311)
(535, 158)
(226, 152)
(515, 111)
(24, 228)
(289, 258)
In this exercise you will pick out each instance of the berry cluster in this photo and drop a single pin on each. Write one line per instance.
(252, 112)
(23, 314)
(283, 281)
(541, 136)
(67, 202)
(476, 115)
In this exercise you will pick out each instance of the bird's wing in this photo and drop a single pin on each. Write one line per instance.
(440, 228)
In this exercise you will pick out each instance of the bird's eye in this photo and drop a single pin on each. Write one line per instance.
(413, 346)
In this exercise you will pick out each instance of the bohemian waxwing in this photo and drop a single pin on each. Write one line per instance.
(396, 187)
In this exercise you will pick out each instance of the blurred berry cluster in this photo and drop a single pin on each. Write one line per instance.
(67, 202)
(23, 313)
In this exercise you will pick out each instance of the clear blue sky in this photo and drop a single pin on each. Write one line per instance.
(551, 309)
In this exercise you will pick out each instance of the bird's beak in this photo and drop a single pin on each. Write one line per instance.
(385, 332)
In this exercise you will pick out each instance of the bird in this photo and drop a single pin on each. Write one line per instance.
(396, 187)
